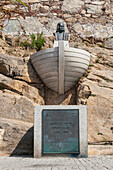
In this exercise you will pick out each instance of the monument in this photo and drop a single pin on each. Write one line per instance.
(60, 129)
(60, 67)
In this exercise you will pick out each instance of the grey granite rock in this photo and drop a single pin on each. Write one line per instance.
(109, 43)
(72, 5)
(28, 26)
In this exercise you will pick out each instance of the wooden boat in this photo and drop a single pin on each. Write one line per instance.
(61, 66)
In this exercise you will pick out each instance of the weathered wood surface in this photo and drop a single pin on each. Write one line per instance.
(60, 67)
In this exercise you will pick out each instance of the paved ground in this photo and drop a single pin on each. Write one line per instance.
(57, 163)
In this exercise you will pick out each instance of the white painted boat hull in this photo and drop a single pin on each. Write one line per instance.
(46, 64)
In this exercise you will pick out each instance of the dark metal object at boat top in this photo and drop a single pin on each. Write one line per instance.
(60, 32)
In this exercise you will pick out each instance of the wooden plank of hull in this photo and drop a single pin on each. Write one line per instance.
(71, 79)
(76, 55)
(51, 79)
(74, 69)
(80, 65)
(45, 61)
(47, 70)
(76, 60)
(53, 86)
(49, 50)
(45, 56)
(49, 74)
(73, 74)
(44, 66)
(76, 50)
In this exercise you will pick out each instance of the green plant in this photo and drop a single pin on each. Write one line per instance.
(104, 140)
(91, 65)
(102, 45)
(99, 133)
(85, 75)
(25, 44)
(38, 42)
(93, 95)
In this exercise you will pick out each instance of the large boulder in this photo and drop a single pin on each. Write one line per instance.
(15, 106)
(21, 88)
(16, 137)
(18, 68)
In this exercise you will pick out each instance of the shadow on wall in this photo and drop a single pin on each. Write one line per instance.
(25, 146)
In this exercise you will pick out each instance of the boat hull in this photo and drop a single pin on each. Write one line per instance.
(60, 66)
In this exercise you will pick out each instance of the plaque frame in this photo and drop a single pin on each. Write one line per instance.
(83, 135)
(75, 125)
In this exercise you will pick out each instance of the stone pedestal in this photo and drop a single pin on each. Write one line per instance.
(60, 130)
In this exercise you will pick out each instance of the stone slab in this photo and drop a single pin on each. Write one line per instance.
(83, 138)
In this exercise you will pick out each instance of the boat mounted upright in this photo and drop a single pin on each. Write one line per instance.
(61, 66)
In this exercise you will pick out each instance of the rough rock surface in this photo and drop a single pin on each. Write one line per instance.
(16, 137)
(109, 43)
(97, 31)
(19, 94)
(72, 5)
(15, 106)
(96, 90)
(30, 25)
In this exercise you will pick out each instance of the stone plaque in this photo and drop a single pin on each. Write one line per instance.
(60, 131)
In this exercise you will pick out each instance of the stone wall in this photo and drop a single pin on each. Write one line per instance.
(89, 24)
(86, 18)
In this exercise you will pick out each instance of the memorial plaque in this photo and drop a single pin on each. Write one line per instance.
(60, 131)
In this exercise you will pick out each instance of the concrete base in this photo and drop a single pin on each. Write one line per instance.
(83, 137)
